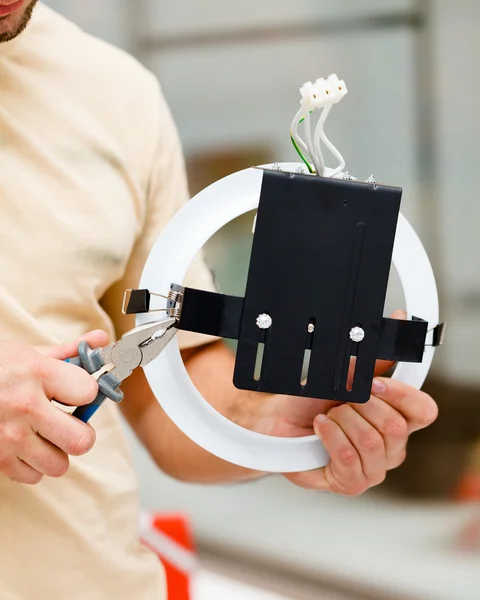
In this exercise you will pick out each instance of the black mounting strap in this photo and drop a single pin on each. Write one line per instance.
(220, 315)
(136, 302)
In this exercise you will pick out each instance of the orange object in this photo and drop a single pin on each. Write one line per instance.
(171, 538)
(468, 487)
(468, 491)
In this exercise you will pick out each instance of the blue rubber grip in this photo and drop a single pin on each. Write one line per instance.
(74, 361)
(108, 384)
(85, 413)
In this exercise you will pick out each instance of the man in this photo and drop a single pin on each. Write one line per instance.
(90, 172)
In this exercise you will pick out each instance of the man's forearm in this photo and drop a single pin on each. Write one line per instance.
(211, 370)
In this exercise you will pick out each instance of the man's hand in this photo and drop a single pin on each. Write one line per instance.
(364, 441)
(35, 436)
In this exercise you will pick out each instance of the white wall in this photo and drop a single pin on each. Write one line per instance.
(165, 17)
(456, 43)
(239, 94)
(107, 19)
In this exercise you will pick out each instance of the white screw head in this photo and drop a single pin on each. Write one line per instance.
(311, 328)
(357, 334)
(264, 321)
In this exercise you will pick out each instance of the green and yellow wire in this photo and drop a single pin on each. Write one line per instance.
(300, 153)
(309, 166)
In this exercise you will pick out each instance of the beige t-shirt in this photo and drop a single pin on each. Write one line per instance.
(90, 172)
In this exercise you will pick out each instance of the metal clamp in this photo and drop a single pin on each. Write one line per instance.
(138, 302)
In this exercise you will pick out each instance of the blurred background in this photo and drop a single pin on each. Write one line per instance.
(231, 74)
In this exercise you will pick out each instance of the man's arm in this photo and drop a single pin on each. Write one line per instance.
(211, 369)
(363, 441)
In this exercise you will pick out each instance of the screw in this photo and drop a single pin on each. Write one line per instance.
(357, 334)
(264, 321)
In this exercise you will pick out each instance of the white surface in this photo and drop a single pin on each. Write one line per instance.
(456, 46)
(170, 18)
(110, 22)
(246, 96)
(394, 547)
(168, 263)
(210, 586)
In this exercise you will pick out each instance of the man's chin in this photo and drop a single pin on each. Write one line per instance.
(12, 25)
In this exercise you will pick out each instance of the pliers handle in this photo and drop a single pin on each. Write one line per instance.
(108, 385)
(114, 363)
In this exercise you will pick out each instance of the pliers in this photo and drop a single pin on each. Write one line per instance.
(114, 363)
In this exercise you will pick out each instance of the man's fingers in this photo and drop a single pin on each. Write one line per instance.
(310, 480)
(344, 473)
(44, 457)
(66, 383)
(69, 434)
(95, 339)
(399, 314)
(20, 472)
(418, 408)
(391, 425)
(367, 441)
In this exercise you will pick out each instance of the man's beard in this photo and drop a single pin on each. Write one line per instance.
(11, 33)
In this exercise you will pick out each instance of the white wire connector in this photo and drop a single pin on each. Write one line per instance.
(324, 92)
(308, 93)
(332, 90)
(321, 95)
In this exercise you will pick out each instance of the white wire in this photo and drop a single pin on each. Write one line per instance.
(294, 130)
(312, 148)
(317, 137)
(335, 153)
(321, 136)
(319, 164)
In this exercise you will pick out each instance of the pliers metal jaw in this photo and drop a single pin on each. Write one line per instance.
(114, 363)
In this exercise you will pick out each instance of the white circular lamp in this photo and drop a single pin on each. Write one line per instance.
(168, 263)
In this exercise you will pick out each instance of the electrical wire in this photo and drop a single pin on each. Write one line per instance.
(318, 134)
(297, 119)
(322, 94)
(311, 148)
(318, 162)
(297, 141)
(335, 153)
(309, 166)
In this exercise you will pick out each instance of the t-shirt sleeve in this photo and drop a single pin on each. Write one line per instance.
(166, 191)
